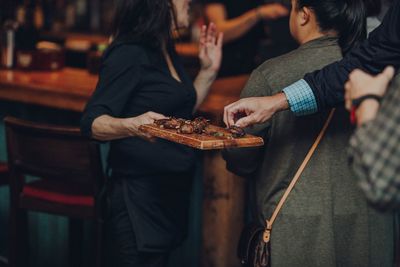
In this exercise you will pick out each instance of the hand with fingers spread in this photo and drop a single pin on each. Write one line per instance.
(362, 85)
(254, 110)
(210, 48)
(210, 55)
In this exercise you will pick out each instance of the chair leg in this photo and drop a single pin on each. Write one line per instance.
(398, 253)
(75, 242)
(98, 242)
(19, 240)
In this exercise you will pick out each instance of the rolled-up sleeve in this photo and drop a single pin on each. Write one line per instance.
(375, 154)
(301, 98)
(118, 79)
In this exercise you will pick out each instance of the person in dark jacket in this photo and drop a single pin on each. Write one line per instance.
(324, 89)
(141, 78)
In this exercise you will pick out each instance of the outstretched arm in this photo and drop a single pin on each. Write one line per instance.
(210, 55)
(325, 88)
(239, 26)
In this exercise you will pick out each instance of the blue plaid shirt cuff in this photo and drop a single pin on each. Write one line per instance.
(301, 98)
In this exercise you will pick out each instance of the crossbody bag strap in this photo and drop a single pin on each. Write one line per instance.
(270, 222)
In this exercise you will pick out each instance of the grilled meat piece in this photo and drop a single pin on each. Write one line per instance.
(201, 120)
(173, 124)
(186, 128)
(199, 127)
(237, 132)
(170, 123)
(161, 122)
(200, 124)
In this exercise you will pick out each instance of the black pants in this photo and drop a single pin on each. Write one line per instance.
(121, 230)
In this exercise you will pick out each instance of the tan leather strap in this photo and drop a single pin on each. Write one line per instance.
(270, 222)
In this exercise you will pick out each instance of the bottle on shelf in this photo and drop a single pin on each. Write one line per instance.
(27, 35)
(38, 15)
(26, 38)
(7, 44)
(70, 15)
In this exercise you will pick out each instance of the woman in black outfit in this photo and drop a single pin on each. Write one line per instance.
(140, 79)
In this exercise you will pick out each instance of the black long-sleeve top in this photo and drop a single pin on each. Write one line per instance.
(156, 177)
(135, 79)
(381, 49)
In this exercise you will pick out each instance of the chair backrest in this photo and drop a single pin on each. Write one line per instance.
(53, 152)
(3, 173)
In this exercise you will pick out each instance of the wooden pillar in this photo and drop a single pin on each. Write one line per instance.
(223, 213)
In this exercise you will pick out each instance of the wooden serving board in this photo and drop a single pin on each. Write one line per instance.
(203, 141)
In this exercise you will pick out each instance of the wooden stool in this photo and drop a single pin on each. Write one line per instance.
(70, 183)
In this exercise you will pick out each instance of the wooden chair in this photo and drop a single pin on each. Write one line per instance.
(70, 183)
(3, 173)
(3, 181)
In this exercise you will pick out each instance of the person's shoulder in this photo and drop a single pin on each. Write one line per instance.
(279, 64)
(288, 68)
(128, 53)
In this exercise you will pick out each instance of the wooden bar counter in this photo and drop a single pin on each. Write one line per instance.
(68, 89)
(223, 198)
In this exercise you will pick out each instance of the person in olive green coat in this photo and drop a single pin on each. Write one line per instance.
(326, 220)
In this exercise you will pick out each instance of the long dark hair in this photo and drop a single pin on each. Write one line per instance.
(146, 21)
(346, 17)
(373, 7)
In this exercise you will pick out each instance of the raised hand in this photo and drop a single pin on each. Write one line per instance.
(361, 84)
(210, 48)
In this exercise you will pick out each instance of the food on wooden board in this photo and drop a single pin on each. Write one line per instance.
(237, 132)
(186, 128)
(199, 126)
(170, 123)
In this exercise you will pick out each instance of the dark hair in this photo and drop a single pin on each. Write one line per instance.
(373, 7)
(346, 17)
(146, 21)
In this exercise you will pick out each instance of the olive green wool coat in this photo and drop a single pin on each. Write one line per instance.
(326, 221)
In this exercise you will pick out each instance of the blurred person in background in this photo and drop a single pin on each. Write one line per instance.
(241, 21)
(326, 220)
(375, 146)
(141, 78)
